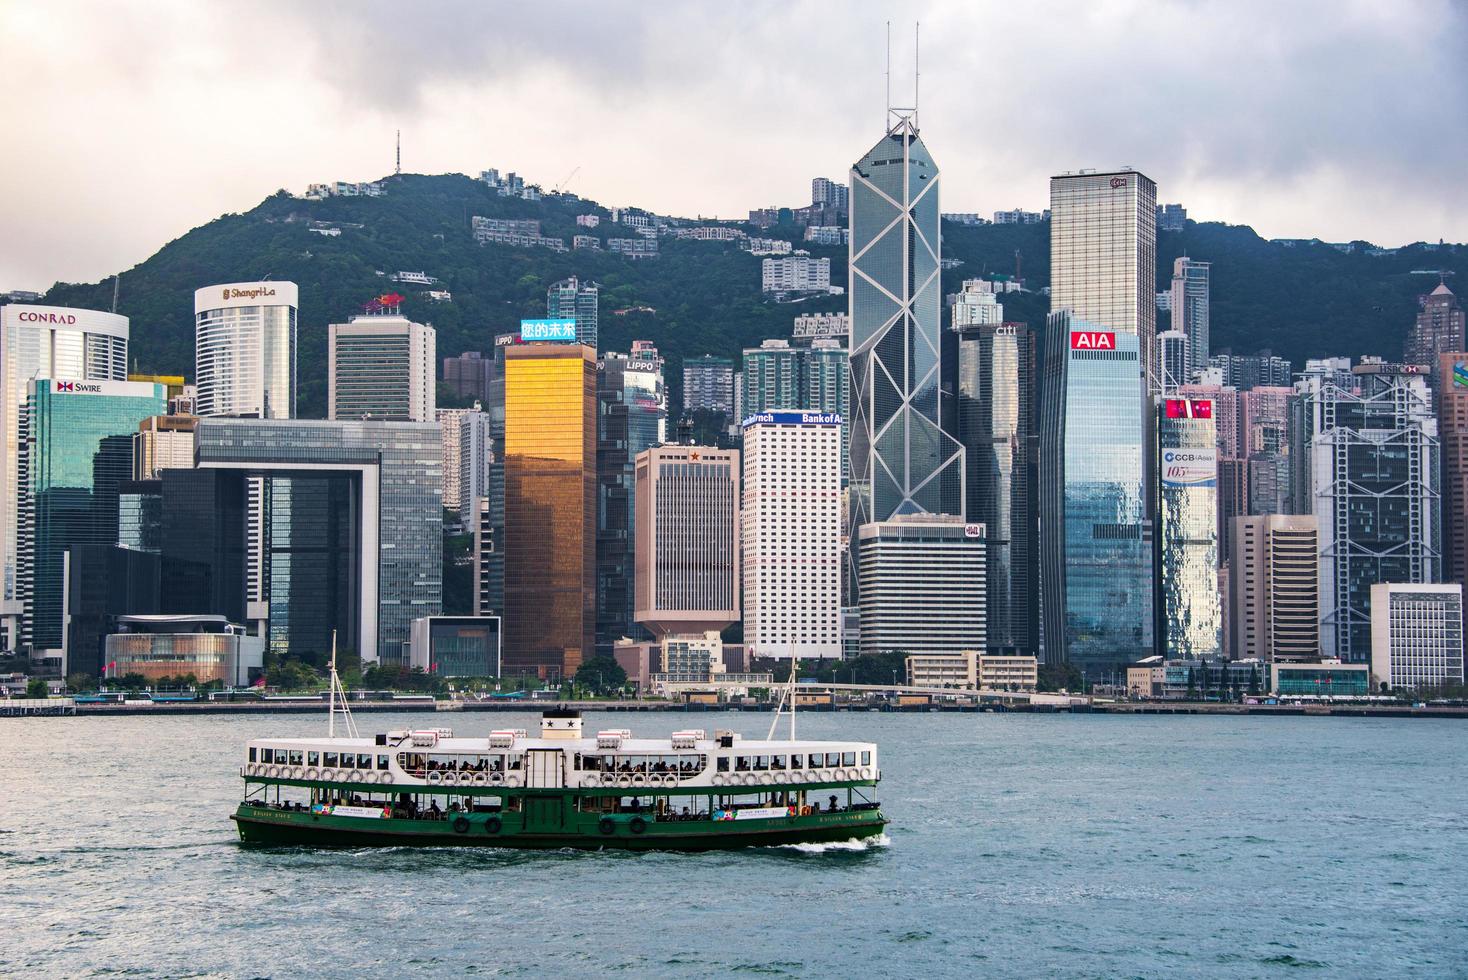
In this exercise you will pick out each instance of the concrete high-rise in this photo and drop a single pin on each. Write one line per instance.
(469, 375)
(1173, 368)
(550, 508)
(922, 585)
(1416, 636)
(632, 416)
(791, 529)
(1274, 588)
(688, 531)
(573, 299)
(902, 459)
(1103, 256)
(43, 342)
(1095, 537)
(1439, 330)
(976, 305)
(1374, 488)
(163, 442)
(381, 366)
(1190, 281)
(997, 425)
(708, 385)
(245, 349)
(1189, 617)
(1452, 421)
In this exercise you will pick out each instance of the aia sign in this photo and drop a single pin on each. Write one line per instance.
(1092, 340)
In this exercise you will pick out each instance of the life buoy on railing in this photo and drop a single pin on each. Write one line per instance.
(493, 825)
(609, 779)
(624, 780)
(512, 780)
(273, 772)
(311, 772)
(638, 779)
(435, 777)
(749, 779)
(866, 773)
(328, 774)
(480, 779)
(387, 777)
(461, 825)
(607, 826)
(356, 776)
(718, 779)
(637, 825)
(765, 778)
(782, 777)
(496, 778)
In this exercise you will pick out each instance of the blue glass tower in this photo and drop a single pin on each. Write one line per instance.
(1095, 539)
(902, 461)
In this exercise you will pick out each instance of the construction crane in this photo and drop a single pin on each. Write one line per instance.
(562, 185)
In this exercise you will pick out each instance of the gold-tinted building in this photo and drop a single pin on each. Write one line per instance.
(550, 508)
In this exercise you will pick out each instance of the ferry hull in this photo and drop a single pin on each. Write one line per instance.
(270, 827)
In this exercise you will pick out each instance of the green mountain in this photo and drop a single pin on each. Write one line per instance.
(697, 297)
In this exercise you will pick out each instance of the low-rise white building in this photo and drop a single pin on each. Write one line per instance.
(796, 274)
(1006, 672)
(1416, 635)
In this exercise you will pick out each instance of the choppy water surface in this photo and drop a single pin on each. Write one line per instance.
(1021, 845)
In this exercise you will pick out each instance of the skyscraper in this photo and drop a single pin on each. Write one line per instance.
(1374, 488)
(778, 377)
(1095, 540)
(163, 442)
(922, 585)
(1103, 255)
(632, 416)
(469, 375)
(1439, 330)
(43, 342)
(381, 366)
(997, 426)
(688, 539)
(1190, 309)
(708, 385)
(550, 508)
(1172, 360)
(902, 460)
(1274, 588)
(976, 305)
(1452, 420)
(791, 527)
(78, 439)
(572, 299)
(1189, 618)
(245, 349)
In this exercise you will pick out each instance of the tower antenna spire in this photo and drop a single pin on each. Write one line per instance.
(916, 70)
(887, 119)
(398, 168)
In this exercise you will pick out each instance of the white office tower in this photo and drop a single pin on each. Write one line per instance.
(792, 535)
(468, 452)
(43, 342)
(923, 585)
(382, 366)
(245, 349)
(1103, 255)
(1416, 636)
(977, 305)
(1172, 360)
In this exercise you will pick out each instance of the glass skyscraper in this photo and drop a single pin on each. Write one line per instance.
(997, 427)
(573, 299)
(902, 460)
(1190, 310)
(778, 377)
(1189, 612)
(44, 342)
(1095, 540)
(78, 438)
(550, 508)
(1103, 255)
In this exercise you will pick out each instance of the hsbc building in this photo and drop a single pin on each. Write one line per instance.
(1095, 536)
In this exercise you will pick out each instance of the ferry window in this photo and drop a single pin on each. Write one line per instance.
(313, 758)
(741, 764)
(866, 758)
(364, 761)
(295, 757)
(723, 762)
(252, 754)
(761, 763)
(382, 762)
(833, 759)
(848, 758)
(515, 761)
(329, 760)
(777, 762)
(796, 761)
(817, 760)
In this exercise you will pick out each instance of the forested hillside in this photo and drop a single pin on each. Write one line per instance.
(1304, 301)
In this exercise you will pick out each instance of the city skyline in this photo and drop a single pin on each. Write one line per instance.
(1286, 176)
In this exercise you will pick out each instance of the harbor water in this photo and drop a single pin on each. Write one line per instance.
(1055, 845)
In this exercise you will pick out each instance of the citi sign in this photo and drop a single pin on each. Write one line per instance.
(29, 316)
(78, 388)
(1092, 340)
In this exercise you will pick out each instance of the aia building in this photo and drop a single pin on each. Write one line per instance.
(1189, 611)
(1095, 539)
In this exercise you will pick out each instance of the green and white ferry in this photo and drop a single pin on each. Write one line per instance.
(560, 788)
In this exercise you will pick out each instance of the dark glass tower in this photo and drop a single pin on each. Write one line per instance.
(997, 427)
(902, 461)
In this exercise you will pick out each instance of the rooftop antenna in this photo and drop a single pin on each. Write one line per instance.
(916, 72)
(888, 117)
(116, 285)
(398, 169)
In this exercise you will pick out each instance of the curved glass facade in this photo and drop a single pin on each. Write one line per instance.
(1189, 613)
(1094, 535)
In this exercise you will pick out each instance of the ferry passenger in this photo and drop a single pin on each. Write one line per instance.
(834, 807)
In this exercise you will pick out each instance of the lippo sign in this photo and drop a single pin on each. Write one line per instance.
(1190, 468)
(1092, 340)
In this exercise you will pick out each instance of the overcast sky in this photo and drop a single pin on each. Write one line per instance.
(126, 124)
